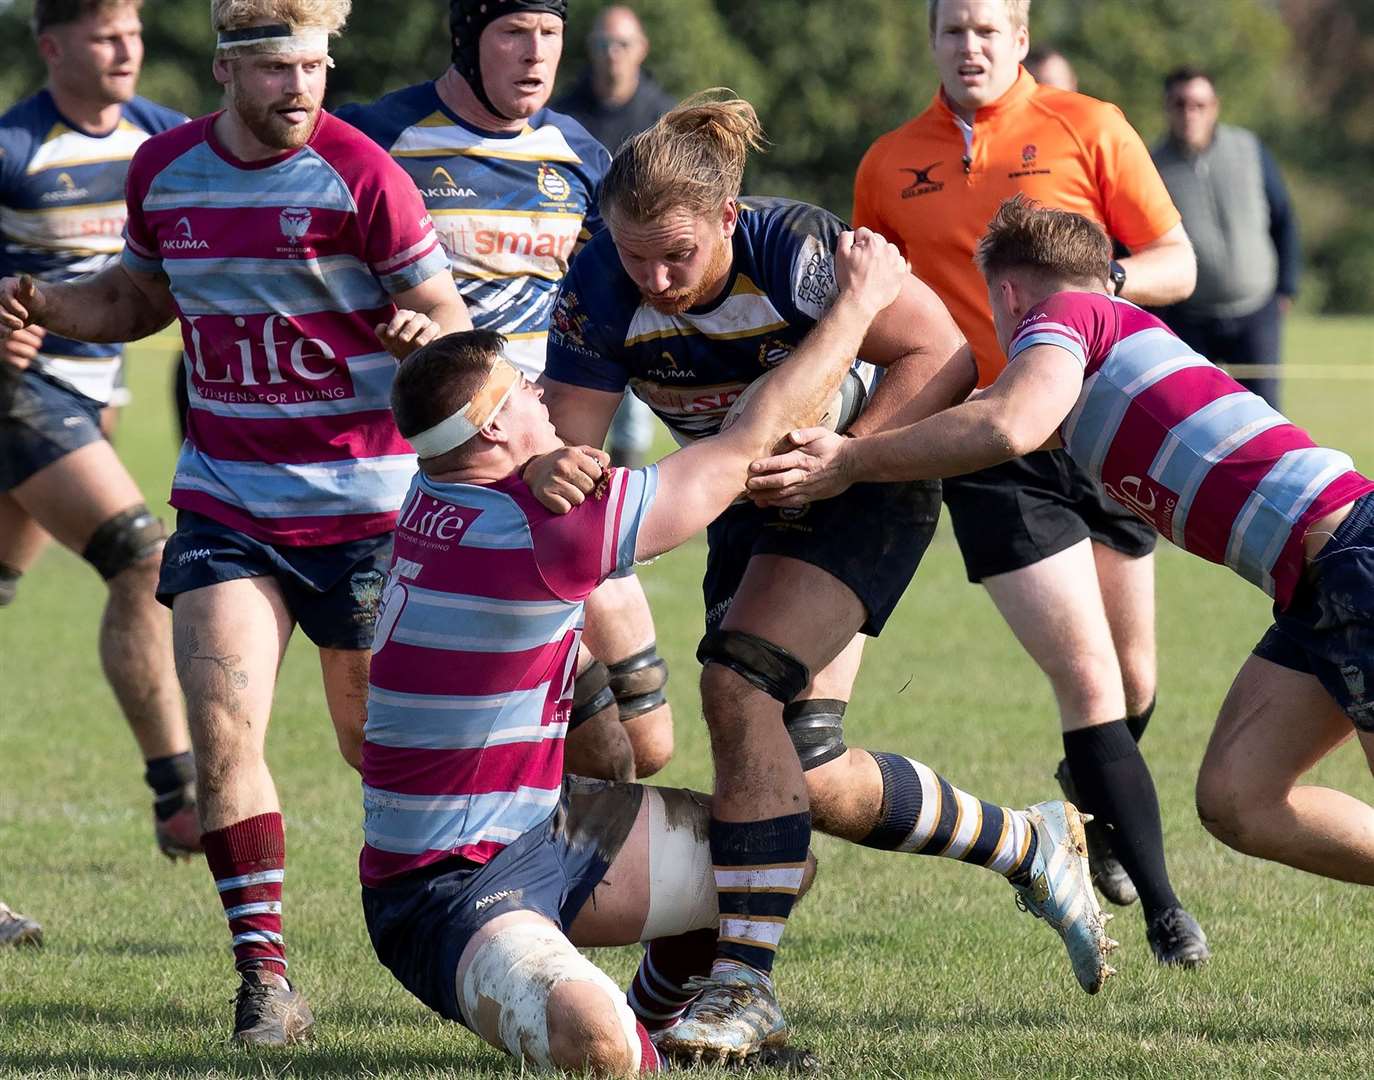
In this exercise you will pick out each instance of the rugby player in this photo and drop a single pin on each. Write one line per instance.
(511, 186)
(1069, 570)
(690, 296)
(288, 245)
(64, 154)
(480, 859)
(17, 929)
(1181, 444)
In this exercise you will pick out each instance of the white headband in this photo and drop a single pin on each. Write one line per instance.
(459, 427)
(276, 38)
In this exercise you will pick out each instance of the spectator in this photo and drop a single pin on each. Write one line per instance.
(1238, 214)
(1050, 67)
(614, 99)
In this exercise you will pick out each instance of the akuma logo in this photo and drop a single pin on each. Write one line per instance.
(185, 238)
(443, 186)
(294, 222)
(66, 190)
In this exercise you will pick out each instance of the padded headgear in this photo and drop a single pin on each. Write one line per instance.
(466, 21)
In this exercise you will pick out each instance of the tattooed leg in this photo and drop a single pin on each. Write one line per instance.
(228, 641)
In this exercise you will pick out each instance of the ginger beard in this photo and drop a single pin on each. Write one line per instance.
(676, 301)
(265, 119)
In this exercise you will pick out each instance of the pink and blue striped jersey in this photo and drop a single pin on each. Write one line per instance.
(280, 270)
(473, 663)
(1184, 446)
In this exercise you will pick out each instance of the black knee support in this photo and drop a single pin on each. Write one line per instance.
(816, 728)
(638, 682)
(9, 584)
(125, 539)
(591, 694)
(757, 661)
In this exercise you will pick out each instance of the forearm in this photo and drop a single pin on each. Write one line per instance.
(957, 441)
(450, 315)
(796, 392)
(913, 388)
(1163, 273)
(102, 308)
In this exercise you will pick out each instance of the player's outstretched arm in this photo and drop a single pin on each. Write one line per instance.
(581, 416)
(115, 305)
(698, 482)
(1019, 413)
(430, 310)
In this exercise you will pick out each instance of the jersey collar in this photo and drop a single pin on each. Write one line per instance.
(1019, 93)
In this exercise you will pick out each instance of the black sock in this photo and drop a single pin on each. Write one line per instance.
(1141, 720)
(1115, 786)
(171, 779)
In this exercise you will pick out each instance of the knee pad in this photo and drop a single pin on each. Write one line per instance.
(125, 539)
(682, 887)
(9, 584)
(506, 989)
(816, 728)
(638, 682)
(591, 694)
(757, 661)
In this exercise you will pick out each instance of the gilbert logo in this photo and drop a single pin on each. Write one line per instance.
(295, 223)
(923, 181)
(443, 186)
(184, 239)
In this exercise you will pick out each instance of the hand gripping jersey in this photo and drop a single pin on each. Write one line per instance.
(510, 208)
(1068, 151)
(474, 660)
(1180, 443)
(280, 270)
(690, 368)
(62, 212)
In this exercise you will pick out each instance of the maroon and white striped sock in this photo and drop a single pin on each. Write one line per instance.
(657, 995)
(650, 1060)
(248, 860)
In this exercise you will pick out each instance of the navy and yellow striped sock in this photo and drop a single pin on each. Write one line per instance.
(923, 813)
(759, 867)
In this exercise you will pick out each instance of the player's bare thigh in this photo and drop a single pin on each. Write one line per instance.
(21, 538)
(77, 493)
(1055, 609)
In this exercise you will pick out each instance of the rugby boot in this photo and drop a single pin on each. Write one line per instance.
(178, 837)
(269, 1012)
(1108, 874)
(16, 929)
(1060, 891)
(735, 1015)
(1177, 939)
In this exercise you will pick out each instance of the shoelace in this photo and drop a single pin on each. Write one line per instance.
(718, 999)
(253, 1002)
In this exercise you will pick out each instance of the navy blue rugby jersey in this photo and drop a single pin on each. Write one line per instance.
(510, 208)
(689, 368)
(62, 211)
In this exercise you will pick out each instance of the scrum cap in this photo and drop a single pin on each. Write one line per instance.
(468, 18)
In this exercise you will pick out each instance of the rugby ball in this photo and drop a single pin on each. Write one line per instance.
(844, 407)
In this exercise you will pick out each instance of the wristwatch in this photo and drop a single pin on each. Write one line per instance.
(1117, 276)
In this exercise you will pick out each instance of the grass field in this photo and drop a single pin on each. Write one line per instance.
(893, 966)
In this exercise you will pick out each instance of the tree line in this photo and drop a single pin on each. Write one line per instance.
(828, 76)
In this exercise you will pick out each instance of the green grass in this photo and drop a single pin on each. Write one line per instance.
(893, 966)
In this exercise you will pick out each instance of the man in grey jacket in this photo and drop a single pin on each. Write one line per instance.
(1243, 227)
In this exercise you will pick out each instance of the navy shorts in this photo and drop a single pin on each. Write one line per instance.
(42, 419)
(421, 923)
(871, 538)
(1327, 629)
(333, 591)
(1023, 511)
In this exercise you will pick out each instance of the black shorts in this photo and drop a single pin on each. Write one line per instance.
(1327, 630)
(42, 419)
(421, 923)
(1023, 511)
(871, 538)
(333, 591)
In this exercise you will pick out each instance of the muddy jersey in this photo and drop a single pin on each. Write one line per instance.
(509, 207)
(689, 368)
(62, 212)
